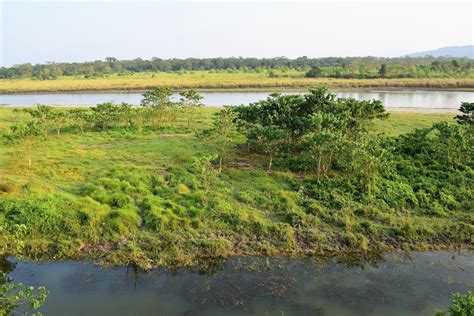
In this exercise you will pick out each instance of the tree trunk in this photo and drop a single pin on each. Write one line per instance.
(319, 164)
(270, 163)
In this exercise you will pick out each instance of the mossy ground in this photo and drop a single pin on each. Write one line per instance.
(127, 198)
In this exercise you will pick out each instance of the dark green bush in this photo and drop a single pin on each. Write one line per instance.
(40, 215)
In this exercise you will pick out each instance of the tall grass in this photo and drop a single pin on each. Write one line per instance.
(206, 80)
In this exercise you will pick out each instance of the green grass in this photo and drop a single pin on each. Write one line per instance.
(126, 198)
(405, 122)
(216, 81)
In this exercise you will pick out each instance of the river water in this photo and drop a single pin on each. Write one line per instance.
(415, 283)
(406, 98)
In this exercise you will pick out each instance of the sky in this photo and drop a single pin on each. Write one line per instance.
(76, 31)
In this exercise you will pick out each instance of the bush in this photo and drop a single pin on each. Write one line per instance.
(461, 305)
(37, 214)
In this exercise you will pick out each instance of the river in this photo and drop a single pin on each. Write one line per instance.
(406, 98)
(415, 283)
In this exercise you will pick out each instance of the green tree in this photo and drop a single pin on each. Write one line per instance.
(467, 116)
(324, 142)
(314, 72)
(126, 115)
(190, 101)
(105, 115)
(159, 105)
(80, 118)
(58, 120)
(222, 132)
(383, 70)
(270, 139)
(43, 115)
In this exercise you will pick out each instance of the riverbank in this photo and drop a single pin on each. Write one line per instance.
(121, 197)
(218, 82)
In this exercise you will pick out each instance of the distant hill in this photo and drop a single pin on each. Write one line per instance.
(451, 51)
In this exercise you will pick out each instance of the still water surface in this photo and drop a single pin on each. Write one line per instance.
(415, 283)
(391, 98)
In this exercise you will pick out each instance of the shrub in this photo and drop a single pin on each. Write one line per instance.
(461, 305)
(38, 214)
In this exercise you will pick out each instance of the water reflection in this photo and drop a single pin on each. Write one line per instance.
(414, 283)
(391, 98)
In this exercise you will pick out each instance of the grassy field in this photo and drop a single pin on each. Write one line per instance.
(216, 81)
(126, 198)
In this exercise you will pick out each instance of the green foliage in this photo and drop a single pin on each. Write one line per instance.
(42, 115)
(222, 133)
(158, 97)
(113, 189)
(349, 67)
(162, 110)
(80, 118)
(206, 174)
(36, 215)
(322, 130)
(461, 305)
(383, 70)
(314, 72)
(14, 295)
(190, 102)
(467, 118)
(105, 115)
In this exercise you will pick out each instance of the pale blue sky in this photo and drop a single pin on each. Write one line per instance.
(78, 31)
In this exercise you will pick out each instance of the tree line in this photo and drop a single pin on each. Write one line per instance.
(435, 69)
(348, 67)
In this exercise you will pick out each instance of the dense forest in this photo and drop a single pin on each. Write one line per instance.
(337, 67)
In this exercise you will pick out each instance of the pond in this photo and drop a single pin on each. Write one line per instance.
(415, 283)
(406, 98)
